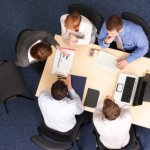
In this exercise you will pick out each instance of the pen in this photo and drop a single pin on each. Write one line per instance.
(67, 56)
(59, 60)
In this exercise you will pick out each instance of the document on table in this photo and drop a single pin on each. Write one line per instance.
(62, 63)
(106, 60)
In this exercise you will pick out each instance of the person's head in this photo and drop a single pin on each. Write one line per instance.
(110, 109)
(41, 51)
(114, 25)
(72, 21)
(59, 90)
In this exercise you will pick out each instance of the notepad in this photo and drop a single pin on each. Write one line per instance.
(92, 98)
(62, 63)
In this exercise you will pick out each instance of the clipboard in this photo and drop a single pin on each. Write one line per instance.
(62, 63)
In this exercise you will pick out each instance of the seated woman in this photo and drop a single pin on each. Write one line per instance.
(112, 121)
(33, 48)
(77, 29)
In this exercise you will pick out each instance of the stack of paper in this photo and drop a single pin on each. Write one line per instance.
(62, 62)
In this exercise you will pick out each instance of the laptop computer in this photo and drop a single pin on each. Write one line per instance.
(130, 89)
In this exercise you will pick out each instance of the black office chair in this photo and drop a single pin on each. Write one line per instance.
(89, 13)
(134, 143)
(12, 83)
(51, 139)
(138, 20)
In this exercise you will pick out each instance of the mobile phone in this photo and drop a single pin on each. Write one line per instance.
(79, 35)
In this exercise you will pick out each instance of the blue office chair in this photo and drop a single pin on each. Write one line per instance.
(89, 13)
(134, 143)
(138, 20)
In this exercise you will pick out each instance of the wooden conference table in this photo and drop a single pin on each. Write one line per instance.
(98, 77)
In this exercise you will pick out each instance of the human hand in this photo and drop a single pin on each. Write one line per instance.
(72, 38)
(109, 97)
(121, 63)
(68, 82)
(109, 39)
(62, 50)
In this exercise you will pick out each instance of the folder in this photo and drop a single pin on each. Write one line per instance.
(92, 98)
(78, 84)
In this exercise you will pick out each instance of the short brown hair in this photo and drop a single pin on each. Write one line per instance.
(41, 51)
(59, 90)
(110, 109)
(73, 20)
(114, 23)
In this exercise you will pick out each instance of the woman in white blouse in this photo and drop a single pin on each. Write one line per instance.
(112, 122)
(77, 29)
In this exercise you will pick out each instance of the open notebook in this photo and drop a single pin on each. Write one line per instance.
(62, 63)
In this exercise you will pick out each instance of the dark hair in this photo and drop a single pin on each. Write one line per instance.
(41, 51)
(110, 109)
(73, 20)
(59, 90)
(114, 23)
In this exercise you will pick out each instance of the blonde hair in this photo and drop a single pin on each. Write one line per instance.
(110, 109)
(73, 20)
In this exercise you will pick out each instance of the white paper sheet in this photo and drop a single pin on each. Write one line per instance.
(106, 60)
(62, 63)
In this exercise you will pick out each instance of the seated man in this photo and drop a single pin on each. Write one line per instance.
(33, 48)
(59, 111)
(127, 35)
(77, 29)
(113, 124)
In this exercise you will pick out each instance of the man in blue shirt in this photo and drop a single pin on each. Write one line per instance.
(132, 37)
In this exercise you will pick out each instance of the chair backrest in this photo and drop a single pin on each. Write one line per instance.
(89, 13)
(69, 136)
(137, 20)
(11, 80)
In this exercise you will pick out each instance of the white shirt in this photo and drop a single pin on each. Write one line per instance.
(114, 134)
(86, 27)
(29, 55)
(60, 115)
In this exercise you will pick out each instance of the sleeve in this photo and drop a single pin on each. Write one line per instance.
(64, 34)
(126, 116)
(102, 35)
(142, 46)
(97, 117)
(98, 112)
(79, 108)
(41, 97)
(50, 39)
(86, 28)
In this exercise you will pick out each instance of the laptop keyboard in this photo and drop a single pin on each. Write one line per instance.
(128, 87)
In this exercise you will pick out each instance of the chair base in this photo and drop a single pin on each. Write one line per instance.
(5, 102)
